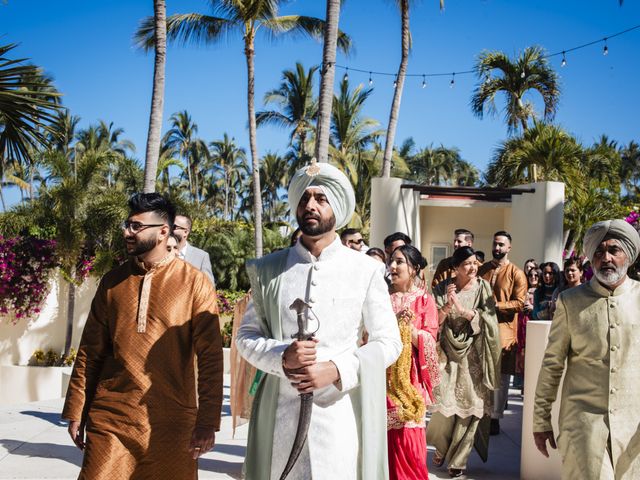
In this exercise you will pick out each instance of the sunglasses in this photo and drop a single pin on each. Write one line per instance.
(136, 227)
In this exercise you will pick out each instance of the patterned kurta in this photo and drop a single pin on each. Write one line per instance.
(597, 334)
(469, 353)
(136, 390)
(509, 285)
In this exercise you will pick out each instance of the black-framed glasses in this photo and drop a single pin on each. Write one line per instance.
(136, 227)
(179, 227)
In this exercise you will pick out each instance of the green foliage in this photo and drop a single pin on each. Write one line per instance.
(229, 245)
(51, 358)
(226, 332)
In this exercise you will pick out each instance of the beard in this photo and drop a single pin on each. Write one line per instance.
(321, 227)
(498, 255)
(609, 277)
(143, 246)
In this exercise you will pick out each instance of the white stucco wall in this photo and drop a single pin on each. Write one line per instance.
(47, 331)
(535, 220)
(393, 209)
(537, 223)
(438, 224)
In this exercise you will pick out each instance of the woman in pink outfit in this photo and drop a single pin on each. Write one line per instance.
(411, 379)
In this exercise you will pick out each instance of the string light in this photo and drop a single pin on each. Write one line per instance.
(346, 75)
(523, 73)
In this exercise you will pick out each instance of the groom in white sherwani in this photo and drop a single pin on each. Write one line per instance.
(347, 295)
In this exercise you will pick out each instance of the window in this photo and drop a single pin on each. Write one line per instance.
(439, 252)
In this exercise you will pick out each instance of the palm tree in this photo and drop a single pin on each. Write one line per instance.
(556, 153)
(73, 185)
(433, 165)
(226, 156)
(630, 167)
(354, 148)
(530, 71)
(157, 95)
(28, 105)
(169, 157)
(182, 138)
(247, 16)
(327, 76)
(297, 107)
(273, 173)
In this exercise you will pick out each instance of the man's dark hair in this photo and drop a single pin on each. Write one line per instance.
(502, 233)
(468, 235)
(189, 223)
(348, 231)
(394, 237)
(153, 202)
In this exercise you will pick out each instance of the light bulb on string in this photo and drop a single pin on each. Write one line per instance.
(564, 60)
(523, 74)
(424, 82)
(346, 75)
(605, 50)
(453, 80)
(370, 79)
(395, 82)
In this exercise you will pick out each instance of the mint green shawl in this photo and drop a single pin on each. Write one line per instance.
(368, 399)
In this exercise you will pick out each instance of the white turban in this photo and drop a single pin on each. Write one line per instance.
(612, 229)
(335, 185)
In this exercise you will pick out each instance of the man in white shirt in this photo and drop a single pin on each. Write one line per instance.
(346, 294)
(187, 252)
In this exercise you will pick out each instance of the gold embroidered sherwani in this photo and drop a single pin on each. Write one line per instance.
(597, 333)
(136, 390)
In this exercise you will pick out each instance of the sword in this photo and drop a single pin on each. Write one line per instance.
(306, 399)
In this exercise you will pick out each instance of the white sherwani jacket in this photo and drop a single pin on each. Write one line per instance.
(597, 334)
(347, 292)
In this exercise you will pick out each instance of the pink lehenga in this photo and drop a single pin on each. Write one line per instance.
(410, 382)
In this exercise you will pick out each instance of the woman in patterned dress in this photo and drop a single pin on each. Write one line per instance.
(469, 356)
(411, 379)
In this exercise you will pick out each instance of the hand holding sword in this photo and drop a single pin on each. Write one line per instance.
(299, 359)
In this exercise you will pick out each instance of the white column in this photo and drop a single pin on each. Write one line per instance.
(537, 223)
(393, 209)
(534, 465)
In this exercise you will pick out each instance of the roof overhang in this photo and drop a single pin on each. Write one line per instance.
(433, 195)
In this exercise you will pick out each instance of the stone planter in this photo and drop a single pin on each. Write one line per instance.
(23, 384)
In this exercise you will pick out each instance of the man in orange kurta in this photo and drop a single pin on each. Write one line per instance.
(509, 285)
(133, 386)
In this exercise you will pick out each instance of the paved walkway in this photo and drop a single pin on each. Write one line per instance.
(34, 445)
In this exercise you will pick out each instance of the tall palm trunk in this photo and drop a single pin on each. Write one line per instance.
(327, 76)
(226, 195)
(189, 175)
(71, 304)
(533, 171)
(255, 162)
(397, 95)
(157, 96)
(4, 206)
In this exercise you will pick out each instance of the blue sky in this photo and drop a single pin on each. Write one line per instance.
(87, 47)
